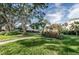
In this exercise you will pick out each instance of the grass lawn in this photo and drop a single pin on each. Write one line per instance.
(6, 37)
(10, 37)
(42, 46)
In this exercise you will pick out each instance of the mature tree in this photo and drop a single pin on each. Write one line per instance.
(22, 12)
(6, 12)
(30, 11)
(75, 27)
(40, 24)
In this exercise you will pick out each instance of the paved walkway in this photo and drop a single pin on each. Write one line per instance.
(14, 40)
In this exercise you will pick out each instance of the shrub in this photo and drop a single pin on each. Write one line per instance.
(13, 33)
(2, 33)
(70, 32)
(51, 33)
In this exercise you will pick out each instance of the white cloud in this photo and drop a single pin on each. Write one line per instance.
(58, 14)
(74, 11)
(55, 17)
(58, 5)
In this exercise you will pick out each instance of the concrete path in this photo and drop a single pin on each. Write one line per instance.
(14, 40)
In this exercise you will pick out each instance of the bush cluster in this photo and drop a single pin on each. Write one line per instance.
(13, 33)
(70, 32)
(51, 33)
(2, 33)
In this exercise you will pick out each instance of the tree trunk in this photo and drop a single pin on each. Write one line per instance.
(76, 33)
(23, 25)
(9, 26)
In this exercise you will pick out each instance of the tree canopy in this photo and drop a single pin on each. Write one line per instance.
(12, 13)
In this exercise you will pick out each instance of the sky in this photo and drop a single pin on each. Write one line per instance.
(61, 12)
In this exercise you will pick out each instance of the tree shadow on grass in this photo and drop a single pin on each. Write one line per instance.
(31, 42)
(35, 41)
(62, 50)
(56, 44)
(70, 40)
(42, 40)
(66, 50)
